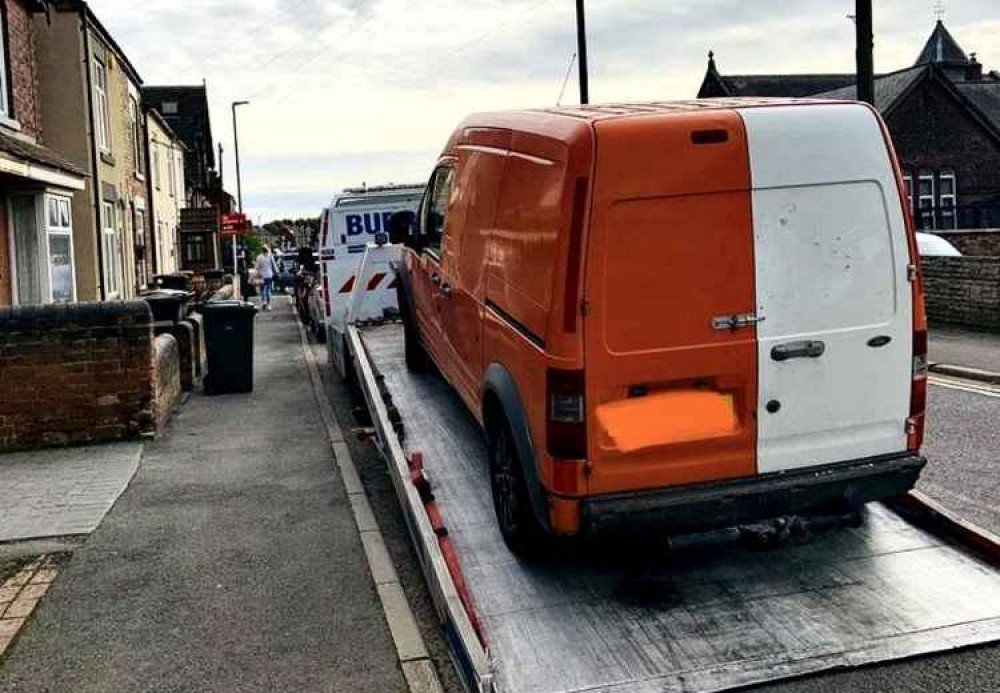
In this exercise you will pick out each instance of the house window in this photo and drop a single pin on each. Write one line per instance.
(195, 249)
(172, 171)
(139, 219)
(168, 108)
(42, 238)
(947, 199)
(908, 182)
(926, 200)
(138, 141)
(101, 97)
(59, 233)
(5, 110)
(112, 252)
(154, 167)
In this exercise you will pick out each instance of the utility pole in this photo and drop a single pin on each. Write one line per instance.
(239, 199)
(236, 146)
(581, 49)
(865, 52)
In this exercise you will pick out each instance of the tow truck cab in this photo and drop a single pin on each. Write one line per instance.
(692, 314)
(353, 219)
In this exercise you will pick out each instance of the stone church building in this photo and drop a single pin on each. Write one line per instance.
(944, 115)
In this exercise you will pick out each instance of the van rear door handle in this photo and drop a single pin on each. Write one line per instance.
(807, 349)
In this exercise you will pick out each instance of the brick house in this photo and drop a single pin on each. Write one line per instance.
(37, 186)
(92, 116)
(944, 116)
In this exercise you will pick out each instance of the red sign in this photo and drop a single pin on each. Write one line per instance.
(235, 225)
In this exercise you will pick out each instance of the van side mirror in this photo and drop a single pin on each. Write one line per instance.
(402, 228)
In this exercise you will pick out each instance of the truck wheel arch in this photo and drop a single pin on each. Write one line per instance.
(502, 402)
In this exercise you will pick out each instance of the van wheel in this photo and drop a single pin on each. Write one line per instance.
(520, 529)
(417, 360)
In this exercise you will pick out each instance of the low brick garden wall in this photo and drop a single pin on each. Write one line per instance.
(80, 373)
(963, 291)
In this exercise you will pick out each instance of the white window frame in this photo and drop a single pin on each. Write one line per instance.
(112, 251)
(947, 202)
(138, 141)
(154, 165)
(5, 93)
(926, 211)
(103, 109)
(172, 171)
(908, 182)
(59, 229)
(45, 230)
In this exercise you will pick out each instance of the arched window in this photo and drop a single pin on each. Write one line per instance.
(948, 198)
(926, 199)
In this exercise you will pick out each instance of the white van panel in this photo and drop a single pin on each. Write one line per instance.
(831, 267)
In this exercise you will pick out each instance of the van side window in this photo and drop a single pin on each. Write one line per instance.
(436, 220)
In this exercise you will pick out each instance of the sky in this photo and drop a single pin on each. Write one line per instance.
(345, 92)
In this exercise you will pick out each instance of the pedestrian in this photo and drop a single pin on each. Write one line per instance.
(266, 270)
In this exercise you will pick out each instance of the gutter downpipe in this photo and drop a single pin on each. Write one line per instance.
(96, 177)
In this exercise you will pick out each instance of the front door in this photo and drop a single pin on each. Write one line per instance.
(425, 268)
(28, 251)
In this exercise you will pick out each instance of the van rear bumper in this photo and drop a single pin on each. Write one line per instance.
(739, 501)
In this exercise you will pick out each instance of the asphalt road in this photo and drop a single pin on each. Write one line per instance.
(964, 473)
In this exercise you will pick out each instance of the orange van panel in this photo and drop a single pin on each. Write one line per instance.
(671, 399)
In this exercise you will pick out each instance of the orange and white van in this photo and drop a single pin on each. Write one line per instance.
(692, 314)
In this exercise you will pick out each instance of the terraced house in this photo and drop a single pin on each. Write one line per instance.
(39, 189)
(167, 190)
(93, 117)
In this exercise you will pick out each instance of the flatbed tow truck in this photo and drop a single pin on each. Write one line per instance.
(697, 613)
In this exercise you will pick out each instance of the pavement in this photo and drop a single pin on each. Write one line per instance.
(966, 349)
(231, 563)
(62, 492)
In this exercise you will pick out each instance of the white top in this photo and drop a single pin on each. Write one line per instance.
(265, 266)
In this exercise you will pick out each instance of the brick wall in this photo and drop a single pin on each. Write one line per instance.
(166, 377)
(979, 243)
(75, 373)
(963, 291)
(23, 69)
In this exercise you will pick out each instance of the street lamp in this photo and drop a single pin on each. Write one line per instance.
(239, 199)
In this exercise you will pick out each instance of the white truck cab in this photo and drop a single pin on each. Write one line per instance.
(356, 218)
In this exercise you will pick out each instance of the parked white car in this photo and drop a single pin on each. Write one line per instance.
(930, 245)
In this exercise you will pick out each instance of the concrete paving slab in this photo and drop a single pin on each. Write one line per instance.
(62, 492)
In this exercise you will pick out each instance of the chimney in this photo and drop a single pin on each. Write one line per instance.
(974, 70)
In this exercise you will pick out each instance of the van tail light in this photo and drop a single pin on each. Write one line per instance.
(326, 294)
(918, 392)
(566, 430)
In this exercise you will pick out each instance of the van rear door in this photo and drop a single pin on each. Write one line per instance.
(832, 287)
(671, 388)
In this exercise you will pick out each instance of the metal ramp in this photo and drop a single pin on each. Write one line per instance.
(617, 619)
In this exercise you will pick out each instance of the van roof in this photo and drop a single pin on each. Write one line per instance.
(564, 122)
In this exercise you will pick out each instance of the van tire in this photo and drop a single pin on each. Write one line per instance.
(417, 360)
(521, 530)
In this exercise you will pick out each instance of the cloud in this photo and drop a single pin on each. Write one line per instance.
(351, 90)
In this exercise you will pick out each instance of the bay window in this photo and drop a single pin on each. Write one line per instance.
(42, 243)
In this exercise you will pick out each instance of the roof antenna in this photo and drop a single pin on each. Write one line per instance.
(572, 62)
(939, 10)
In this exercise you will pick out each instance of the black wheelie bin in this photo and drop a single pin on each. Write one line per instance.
(229, 342)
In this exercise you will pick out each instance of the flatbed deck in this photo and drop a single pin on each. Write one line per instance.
(594, 617)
